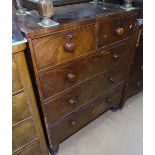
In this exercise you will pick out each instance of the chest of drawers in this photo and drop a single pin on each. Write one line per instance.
(79, 66)
(27, 132)
(135, 81)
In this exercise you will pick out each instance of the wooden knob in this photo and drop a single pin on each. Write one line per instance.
(109, 100)
(111, 79)
(71, 77)
(120, 31)
(72, 123)
(72, 101)
(69, 47)
(69, 36)
(115, 56)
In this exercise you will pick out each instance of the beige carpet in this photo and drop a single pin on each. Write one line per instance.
(118, 133)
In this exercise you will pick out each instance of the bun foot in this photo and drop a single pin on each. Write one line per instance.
(54, 150)
(114, 108)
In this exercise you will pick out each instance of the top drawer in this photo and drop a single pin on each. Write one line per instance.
(63, 46)
(115, 30)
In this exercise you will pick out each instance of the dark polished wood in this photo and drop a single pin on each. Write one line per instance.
(79, 66)
(134, 77)
(135, 83)
(27, 133)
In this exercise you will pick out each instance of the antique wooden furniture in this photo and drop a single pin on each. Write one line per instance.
(27, 133)
(135, 82)
(79, 66)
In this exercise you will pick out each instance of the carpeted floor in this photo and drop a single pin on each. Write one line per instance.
(119, 133)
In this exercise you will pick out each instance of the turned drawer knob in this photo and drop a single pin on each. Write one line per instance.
(111, 79)
(69, 47)
(69, 36)
(72, 101)
(120, 31)
(115, 56)
(71, 77)
(72, 123)
(109, 100)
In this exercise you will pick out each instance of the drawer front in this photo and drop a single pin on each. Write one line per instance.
(23, 133)
(20, 108)
(16, 81)
(73, 122)
(32, 149)
(64, 46)
(82, 94)
(110, 98)
(114, 30)
(65, 77)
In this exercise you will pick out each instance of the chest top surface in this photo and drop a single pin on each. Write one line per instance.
(71, 16)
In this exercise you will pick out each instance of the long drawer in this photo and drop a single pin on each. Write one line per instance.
(69, 75)
(32, 149)
(23, 133)
(20, 108)
(81, 94)
(57, 48)
(115, 30)
(76, 120)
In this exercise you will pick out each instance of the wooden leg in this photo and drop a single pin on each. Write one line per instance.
(54, 150)
(114, 108)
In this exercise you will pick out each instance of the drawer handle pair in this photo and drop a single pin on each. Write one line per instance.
(69, 47)
(71, 77)
(120, 31)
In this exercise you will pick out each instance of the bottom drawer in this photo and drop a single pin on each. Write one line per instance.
(32, 149)
(79, 118)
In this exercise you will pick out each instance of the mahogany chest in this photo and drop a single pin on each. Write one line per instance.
(80, 65)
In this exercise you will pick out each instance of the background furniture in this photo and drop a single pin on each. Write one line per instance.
(80, 66)
(27, 133)
(135, 83)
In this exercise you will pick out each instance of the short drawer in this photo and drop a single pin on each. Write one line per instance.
(63, 46)
(20, 109)
(76, 120)
(32, 149)
(69, 75)
(16, 81)
(23, 133)
(78, 96)
(115, 30)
